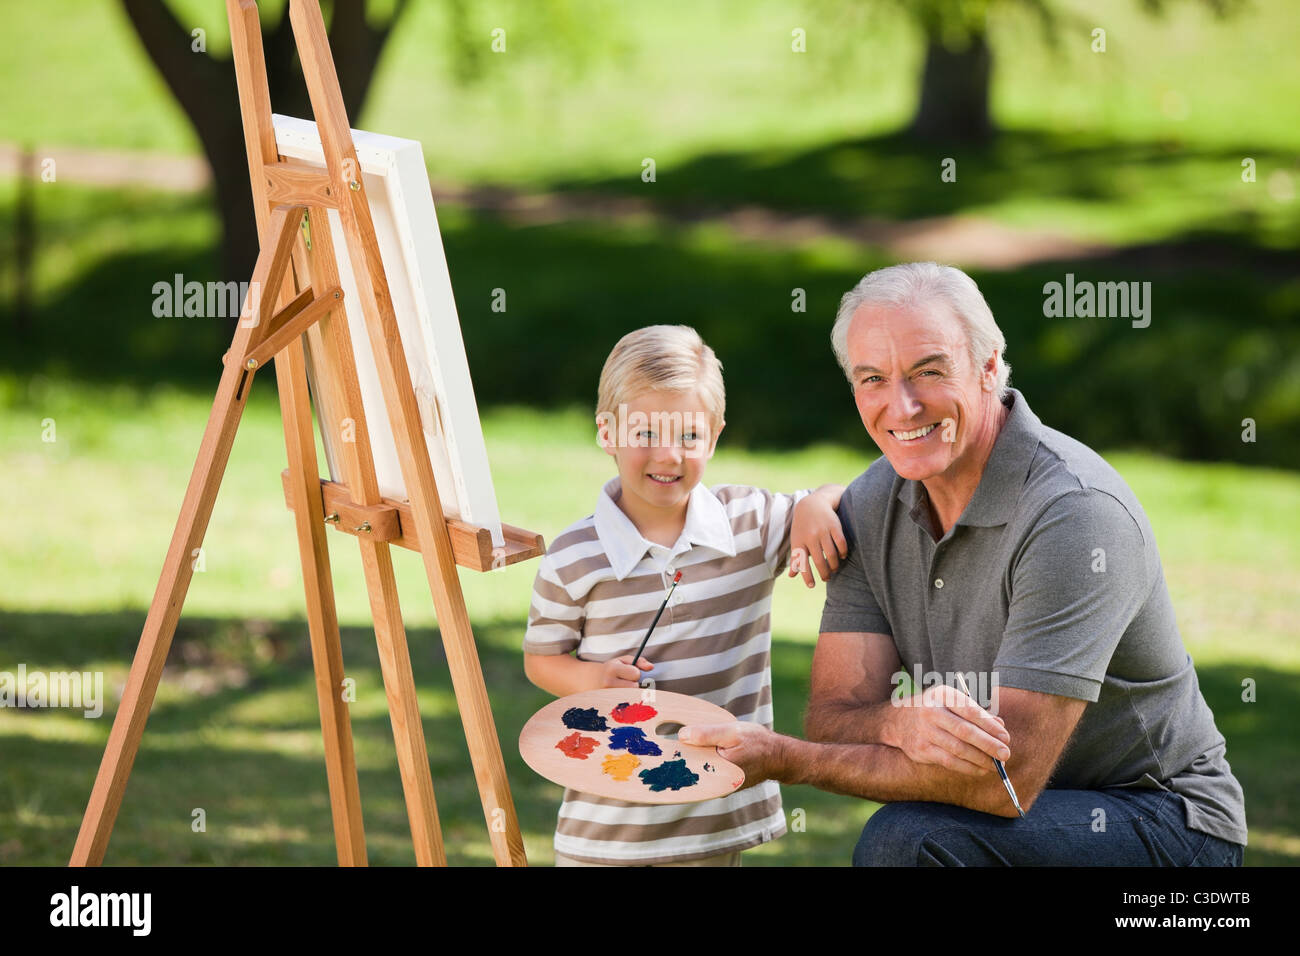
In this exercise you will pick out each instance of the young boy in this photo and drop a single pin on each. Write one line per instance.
(660, 411)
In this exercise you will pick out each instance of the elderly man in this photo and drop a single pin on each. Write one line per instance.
(985, 544)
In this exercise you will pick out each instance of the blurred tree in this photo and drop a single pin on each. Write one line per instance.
(954, 98)
(359, 30)
(955, 80)
(204, 85)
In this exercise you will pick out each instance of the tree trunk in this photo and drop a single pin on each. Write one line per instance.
(205, 89)
(954, 104)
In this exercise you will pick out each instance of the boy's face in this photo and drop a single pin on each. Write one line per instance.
(661, 441)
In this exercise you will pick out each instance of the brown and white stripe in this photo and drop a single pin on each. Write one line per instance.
(713, 642)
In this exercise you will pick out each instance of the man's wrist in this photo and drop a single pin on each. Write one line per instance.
(791, 759)
(888, 714)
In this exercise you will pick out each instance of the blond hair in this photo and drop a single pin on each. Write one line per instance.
(667, 358)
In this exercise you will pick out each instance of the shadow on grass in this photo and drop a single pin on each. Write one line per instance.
(1220, 347)
(893, 177)
(235, 732)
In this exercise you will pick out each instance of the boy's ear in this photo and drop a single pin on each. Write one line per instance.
(717, 433)
(605, 432)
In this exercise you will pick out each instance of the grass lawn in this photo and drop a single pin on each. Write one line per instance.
(1140, 147)
(234, 730)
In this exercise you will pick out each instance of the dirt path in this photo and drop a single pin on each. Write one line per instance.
(962, 240)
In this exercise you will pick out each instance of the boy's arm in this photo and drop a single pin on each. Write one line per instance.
(564, 674)
(556, 620)
(816, 534)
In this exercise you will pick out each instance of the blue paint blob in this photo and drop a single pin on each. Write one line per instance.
(634, 741)
(669, 775)
(576, 718)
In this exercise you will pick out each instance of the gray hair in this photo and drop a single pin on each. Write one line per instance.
(916, 283)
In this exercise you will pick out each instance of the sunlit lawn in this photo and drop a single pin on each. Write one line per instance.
(1142, 144)
(235, 731)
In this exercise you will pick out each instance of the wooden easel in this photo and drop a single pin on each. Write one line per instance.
(300, 297)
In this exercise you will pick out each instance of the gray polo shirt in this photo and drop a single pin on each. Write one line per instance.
(1049, 581)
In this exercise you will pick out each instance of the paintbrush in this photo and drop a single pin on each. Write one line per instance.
(1002, 770)
(677, 577)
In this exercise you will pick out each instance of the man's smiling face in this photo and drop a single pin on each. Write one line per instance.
(922, 400)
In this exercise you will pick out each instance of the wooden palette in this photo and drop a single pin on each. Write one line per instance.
(584, 759)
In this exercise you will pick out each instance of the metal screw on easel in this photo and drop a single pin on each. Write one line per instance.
(355, 185)
(364, 526)
(251, 364)
(332, 518)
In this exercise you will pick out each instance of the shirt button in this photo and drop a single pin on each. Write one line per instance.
(938, 582)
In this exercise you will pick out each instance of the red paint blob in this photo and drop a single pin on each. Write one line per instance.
(633, 713)
(577, 746)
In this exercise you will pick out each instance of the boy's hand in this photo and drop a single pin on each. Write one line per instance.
(816, 535)
(619, 672)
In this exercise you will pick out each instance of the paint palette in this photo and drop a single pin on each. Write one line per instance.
(611, 743)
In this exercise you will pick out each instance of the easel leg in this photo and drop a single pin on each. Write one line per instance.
(174, 583)
(403, 707)
(399, 398)
(322, 617)
(164, 612)
(336, 401)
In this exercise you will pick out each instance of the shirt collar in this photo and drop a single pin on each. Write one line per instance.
(1004, 473)
(707, 524)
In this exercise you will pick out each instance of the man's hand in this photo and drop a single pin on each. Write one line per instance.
(816, 535)
(752, 747)
(943, 726)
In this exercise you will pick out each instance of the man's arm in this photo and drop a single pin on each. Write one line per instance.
(851, 701)
(1040, 724)
(851, 684)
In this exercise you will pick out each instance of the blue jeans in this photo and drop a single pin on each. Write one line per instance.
(1064, 828)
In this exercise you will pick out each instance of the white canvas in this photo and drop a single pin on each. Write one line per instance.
(406, 226)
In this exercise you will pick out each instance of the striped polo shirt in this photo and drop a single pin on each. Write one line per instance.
(596, 592)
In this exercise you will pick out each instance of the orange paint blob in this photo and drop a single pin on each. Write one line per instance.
(577, 746)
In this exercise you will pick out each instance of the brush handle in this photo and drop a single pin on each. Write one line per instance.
(646, 639)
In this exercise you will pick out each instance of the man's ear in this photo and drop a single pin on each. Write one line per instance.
(989, 373)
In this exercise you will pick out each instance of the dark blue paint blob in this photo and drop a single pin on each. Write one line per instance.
(669, 775)
(634, 741)
(575, 718)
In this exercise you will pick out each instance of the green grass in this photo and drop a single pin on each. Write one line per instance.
(235, 731)
(1141, 145)
(1137, 144)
